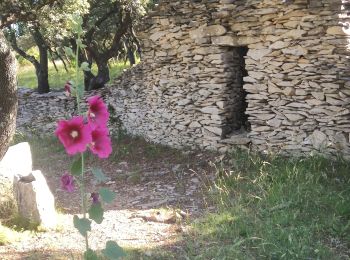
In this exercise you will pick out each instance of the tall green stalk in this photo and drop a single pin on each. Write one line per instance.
(78, 99)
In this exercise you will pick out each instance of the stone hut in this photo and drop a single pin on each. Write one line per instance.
(217, 73)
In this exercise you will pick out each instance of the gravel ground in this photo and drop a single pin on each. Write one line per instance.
(153, 206)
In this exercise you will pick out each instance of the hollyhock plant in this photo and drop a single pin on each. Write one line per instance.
(101, 144)
(74, 134)
(98, 113)
(67, 182)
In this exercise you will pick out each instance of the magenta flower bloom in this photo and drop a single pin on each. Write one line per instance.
(95, 197)
(67, 182)
(74, 134)
(101, 144)
(98, 113)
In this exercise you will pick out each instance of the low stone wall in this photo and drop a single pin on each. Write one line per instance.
(38, 113)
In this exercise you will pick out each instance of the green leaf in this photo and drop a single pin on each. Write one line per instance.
(85, 66)
(80, 90)
(82, 224)
(80, 44)
(68, 51)
(75, 169)
(90, 255)
(113, 251)
(99, 175)
(107, 195)
(77, 24)
(96, 212)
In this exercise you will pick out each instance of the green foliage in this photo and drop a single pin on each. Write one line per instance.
(82, 224)
(99, 175)
(85, 66)
(96, 212)
(69, 52)
(33, 51)
(107, 195)
(113, 251)
(90, 255)
(76, 168)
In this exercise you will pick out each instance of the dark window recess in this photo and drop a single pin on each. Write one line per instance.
(236, 119)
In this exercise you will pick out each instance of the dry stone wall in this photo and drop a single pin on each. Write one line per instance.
(207, 65)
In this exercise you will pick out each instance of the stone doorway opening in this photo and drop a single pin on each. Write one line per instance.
(237, 120)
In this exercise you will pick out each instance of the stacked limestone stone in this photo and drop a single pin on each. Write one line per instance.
(187, 91)
(183, 93)
(39, 113)
(298, 87)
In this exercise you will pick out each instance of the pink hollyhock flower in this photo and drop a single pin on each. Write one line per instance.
(67, 182)
(98, 113)
(101, 144)
(74, 134)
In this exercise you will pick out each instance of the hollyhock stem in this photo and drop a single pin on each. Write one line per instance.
(83, 195)
(77, 75)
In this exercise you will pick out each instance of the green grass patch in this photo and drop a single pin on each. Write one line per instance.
(27, 77)
(276, 208)
(269, 208)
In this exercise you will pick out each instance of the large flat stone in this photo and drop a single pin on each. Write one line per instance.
(16, 162)
(35, 201)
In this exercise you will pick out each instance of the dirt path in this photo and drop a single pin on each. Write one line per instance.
(158, 194)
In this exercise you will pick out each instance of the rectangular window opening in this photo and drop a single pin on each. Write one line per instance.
(236, 118)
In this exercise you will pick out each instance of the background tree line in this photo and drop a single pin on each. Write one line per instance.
(108, 32)
(108, 25)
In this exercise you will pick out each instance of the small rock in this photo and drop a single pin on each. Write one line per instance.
(318, 140)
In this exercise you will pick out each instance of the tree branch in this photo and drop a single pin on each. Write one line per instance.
(12, 39)
(116, 43)
(97, 24)
(15, 11)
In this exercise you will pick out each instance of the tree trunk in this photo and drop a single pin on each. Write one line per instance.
(102, 76)
(42, 69)
(43, 79)
(88, 76)
(8, 95)
(131, 57)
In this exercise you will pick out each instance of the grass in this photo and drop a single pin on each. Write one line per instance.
(270, 208)
(27, 77)
(276, 208)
